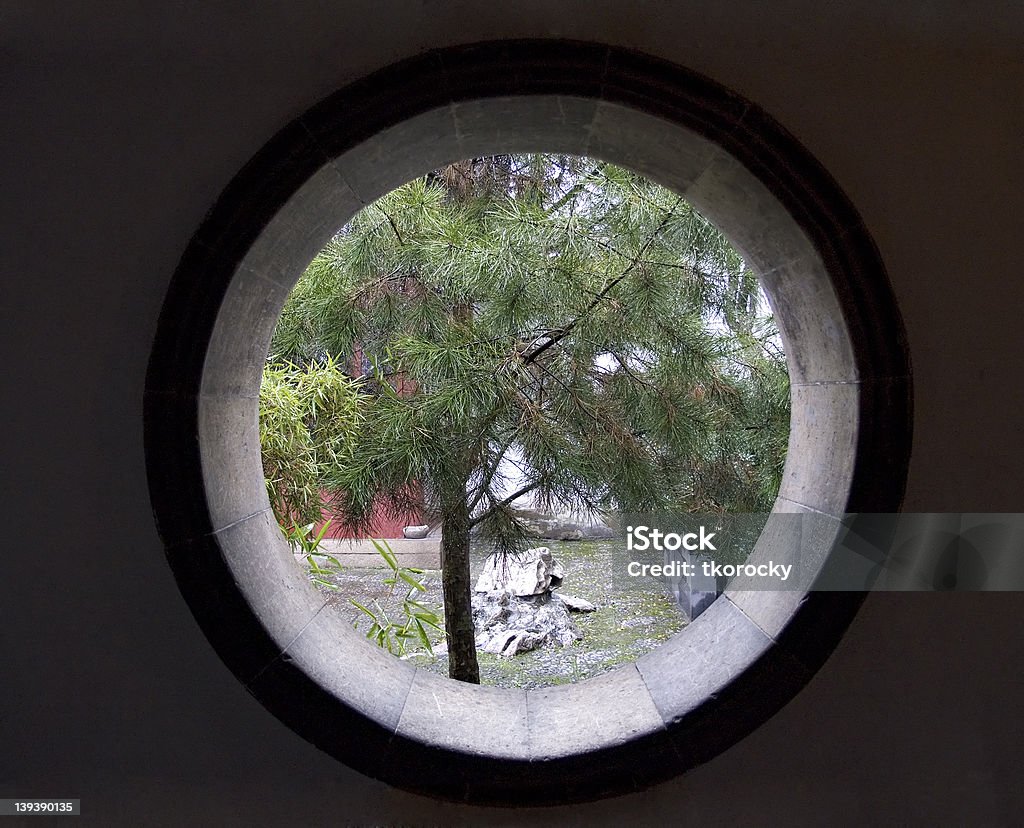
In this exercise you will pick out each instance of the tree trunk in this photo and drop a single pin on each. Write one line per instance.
(455, 580)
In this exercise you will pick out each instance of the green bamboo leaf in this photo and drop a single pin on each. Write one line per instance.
(384, 549)
(430, 621)
(321, 533)
(327, 584)
(421, 633)
(416, 585)
(369, 612)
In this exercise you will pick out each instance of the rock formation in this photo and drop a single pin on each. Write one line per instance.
(515, 608)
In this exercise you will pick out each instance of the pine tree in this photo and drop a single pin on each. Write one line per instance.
(560, 311)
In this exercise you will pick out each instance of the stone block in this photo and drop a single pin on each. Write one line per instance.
(263, 570)
(608, 710)
(814, 333)
(237, 351)
(401, 153)
(539, 123)
(302, 227)
(823, 434)
(667, 153)
(469, 718)
(420, 553)
(799, 288)
(796, 536)
(700, 660)
(351, 669)
(229, 445)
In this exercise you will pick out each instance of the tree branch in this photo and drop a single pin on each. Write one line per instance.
(486, 482)
(565, 330)
(394, 226)
(502, 504)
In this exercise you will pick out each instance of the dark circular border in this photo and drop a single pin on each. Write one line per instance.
(343, 121)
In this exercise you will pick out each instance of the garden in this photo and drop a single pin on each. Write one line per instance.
(506, 338)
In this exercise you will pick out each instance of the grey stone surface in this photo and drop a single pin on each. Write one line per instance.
(301, 228)
(693, 601)
(701, 659)
(793, 535)
(230, 451)
(610, 709)
(265, 573)
(822, 447)
(241, 336)
(399, 154)
(671, 155)
(694, 593)
(746, 211)
(511, 643)
(252, 305)
(466, 717)
(538, 123)
(350, 668)
(807, 313)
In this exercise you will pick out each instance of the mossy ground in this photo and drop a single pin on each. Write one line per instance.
(626, 624)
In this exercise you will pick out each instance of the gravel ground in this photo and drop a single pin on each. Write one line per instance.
(626, 625)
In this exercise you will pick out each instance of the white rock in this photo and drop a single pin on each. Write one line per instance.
(530, 573)
(512, 642)
(507, 625)
(575, 604)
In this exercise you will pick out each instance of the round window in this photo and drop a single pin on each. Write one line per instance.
(726, 672)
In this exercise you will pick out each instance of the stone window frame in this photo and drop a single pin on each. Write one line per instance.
(721, 676)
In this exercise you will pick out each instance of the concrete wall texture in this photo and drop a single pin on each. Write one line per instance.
(123, 124)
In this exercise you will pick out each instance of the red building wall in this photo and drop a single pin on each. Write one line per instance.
(383, 525)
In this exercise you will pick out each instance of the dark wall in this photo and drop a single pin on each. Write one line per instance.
(120, 127)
